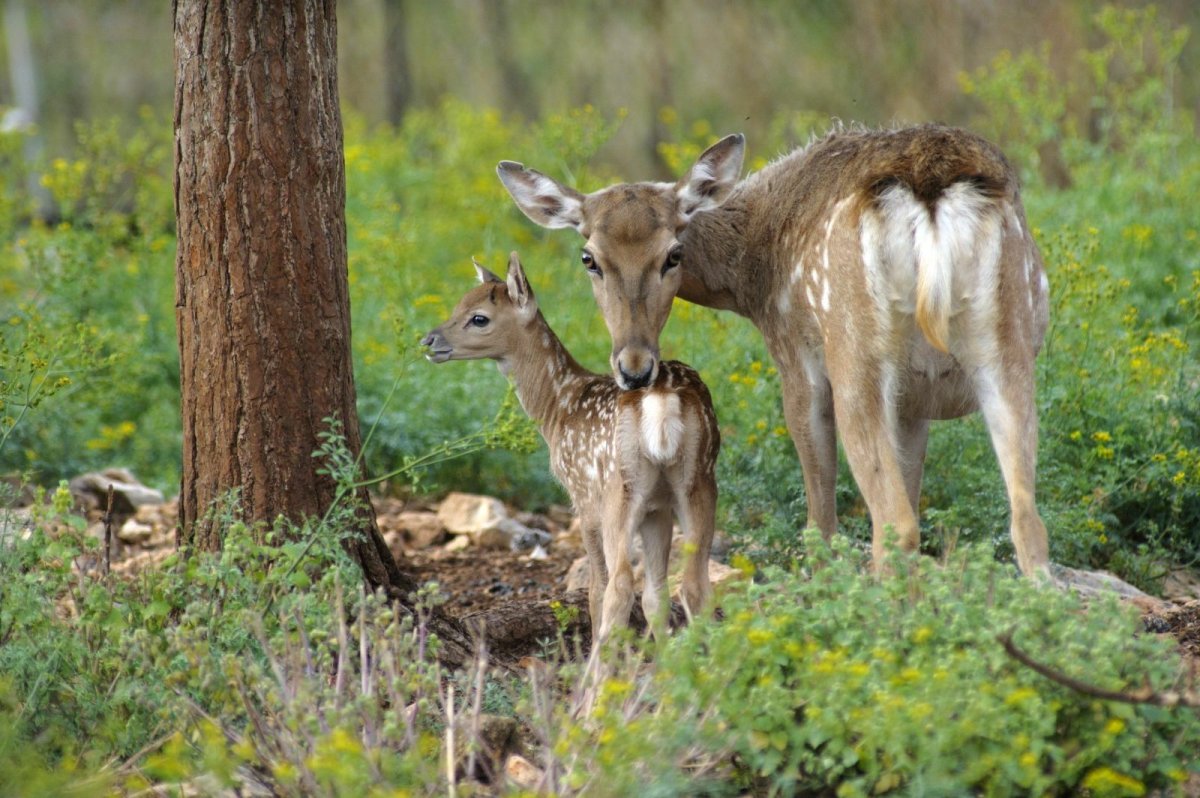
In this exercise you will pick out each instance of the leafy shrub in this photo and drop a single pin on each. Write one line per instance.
(827, 677)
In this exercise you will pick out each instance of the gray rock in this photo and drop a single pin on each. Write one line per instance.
(91, 491)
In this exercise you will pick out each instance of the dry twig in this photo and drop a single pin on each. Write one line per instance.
(1144, 695)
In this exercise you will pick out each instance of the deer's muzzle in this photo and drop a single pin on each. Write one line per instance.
(635, 366)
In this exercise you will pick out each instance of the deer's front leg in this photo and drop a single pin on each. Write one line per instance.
(622, 513)
(808, 411)
(593, 546)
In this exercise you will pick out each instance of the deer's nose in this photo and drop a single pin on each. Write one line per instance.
(635, 366)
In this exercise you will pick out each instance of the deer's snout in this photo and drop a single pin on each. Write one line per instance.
(439, 349)
(635, 367)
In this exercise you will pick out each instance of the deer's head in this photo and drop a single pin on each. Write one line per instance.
(489, 319)
(631, 245)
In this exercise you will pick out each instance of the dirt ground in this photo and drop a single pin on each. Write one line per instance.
(472, 578)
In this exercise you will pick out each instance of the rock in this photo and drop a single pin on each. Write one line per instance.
(577, 574)
(560, 515)
(91, 491)
(15, 491)
(421, 529)
(496, 736)
(525, 538)
(522, 773)
(1094, 583)
(16, 523)
(1182, 585)
(134, 531)
(483, 518)
(457, 543)
(718, 574)
(467, 513)
(571, 536)
(539, 553)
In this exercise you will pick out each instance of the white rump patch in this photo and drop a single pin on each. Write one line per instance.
(922, 264)
(662, 426)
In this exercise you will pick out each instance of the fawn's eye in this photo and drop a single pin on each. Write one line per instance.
(674, 258)
(589, 262)
(478, 320)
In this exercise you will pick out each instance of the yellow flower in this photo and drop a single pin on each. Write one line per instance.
(1106, 781)
(1101, 437)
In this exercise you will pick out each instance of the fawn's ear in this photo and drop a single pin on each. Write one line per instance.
(518, 288)
(712, 178)
(483, 274)
(541, 198)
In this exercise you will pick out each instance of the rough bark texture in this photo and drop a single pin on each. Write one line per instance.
(262, 300)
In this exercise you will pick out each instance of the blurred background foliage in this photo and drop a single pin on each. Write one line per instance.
(1096, 105)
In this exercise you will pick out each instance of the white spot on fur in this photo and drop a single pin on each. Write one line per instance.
(825, 296)
(662, 426)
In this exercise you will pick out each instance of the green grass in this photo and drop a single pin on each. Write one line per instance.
(184, 673)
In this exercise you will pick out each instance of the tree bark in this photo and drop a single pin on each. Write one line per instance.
(262, 301)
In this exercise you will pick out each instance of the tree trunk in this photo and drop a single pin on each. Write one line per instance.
(262, 300)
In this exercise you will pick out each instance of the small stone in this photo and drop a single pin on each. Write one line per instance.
(457, 543)
(578, 575)
(421, 529)
(522, 773)
(133, 531)
(538, 553)
(466, 513)
(524, 538)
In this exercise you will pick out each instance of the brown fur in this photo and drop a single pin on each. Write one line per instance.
(894, 280)
(594, 433)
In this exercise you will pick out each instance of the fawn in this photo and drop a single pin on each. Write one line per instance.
(628, 459)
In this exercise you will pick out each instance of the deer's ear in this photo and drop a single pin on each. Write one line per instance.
(711, 179)
(483, 274)
(543, 200)
(518, 288)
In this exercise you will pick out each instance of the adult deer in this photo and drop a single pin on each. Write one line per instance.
(893, 278)
(629, 459)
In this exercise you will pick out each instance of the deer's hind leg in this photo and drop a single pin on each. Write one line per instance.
(696, 507)
(864, 401)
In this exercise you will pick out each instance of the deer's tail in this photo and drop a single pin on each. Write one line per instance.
(948, 235)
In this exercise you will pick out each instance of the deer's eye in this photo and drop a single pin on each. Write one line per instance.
(478, 320)
(589, 262)
(674, 258)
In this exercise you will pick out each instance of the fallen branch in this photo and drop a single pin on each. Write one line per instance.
(1144, 695)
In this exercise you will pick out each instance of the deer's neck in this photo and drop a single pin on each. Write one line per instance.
(722, 267)
(542, 373)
